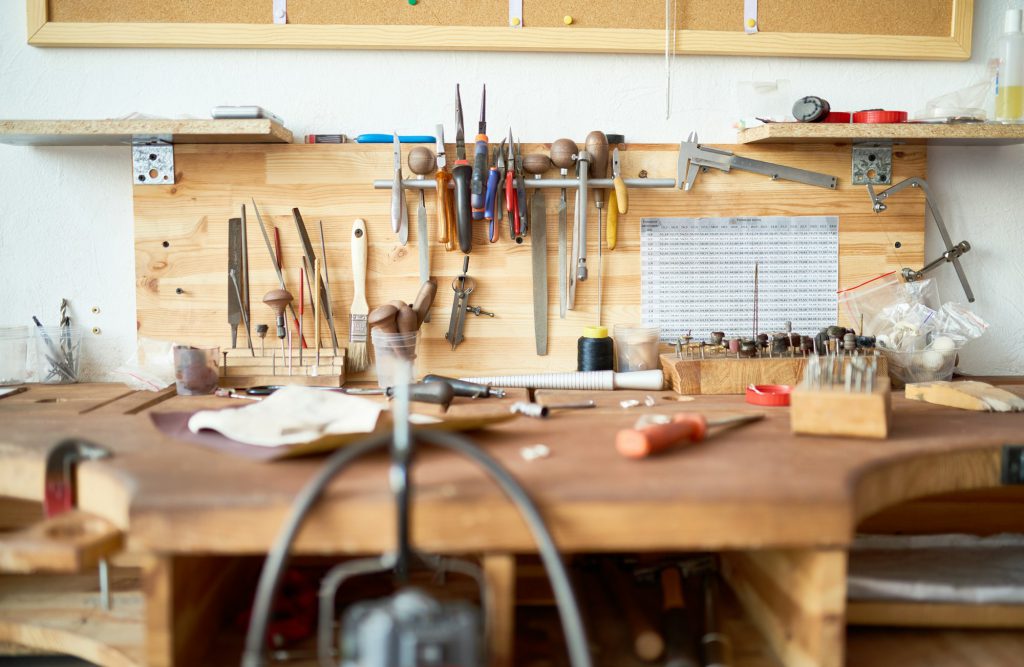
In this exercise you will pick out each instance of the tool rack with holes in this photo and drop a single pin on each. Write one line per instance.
(182, 240)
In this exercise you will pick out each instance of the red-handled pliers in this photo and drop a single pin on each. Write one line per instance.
(511, 200)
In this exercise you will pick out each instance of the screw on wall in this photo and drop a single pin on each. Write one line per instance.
(96, 331)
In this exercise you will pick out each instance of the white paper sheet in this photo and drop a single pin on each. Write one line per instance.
(698, 274)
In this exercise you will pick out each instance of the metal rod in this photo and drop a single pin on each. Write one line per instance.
(545, 183)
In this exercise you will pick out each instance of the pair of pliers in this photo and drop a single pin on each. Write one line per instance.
(511, 200)
(520, 195)
(492, 203)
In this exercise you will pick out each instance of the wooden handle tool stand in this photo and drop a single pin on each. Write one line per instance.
(834, 411)
(729, 375)
(241, 369)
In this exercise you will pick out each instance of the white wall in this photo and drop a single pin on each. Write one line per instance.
(66, 213)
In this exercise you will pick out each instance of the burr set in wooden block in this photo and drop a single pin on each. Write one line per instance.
(240, 368)
(851, 399)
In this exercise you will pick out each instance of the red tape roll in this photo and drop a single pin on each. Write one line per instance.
(769, 394)
(880, 116)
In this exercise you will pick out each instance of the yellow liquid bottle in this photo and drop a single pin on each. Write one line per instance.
(1010, 80)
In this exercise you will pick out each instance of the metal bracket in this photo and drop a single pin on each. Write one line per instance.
(152, 162)
(1012, 468)
(872, 164)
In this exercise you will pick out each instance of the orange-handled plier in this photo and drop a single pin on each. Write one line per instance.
(445, 195)
(684, 428)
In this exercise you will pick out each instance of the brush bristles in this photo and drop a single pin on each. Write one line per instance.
(358, 357)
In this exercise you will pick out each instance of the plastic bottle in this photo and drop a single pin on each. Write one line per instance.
(1010, 80)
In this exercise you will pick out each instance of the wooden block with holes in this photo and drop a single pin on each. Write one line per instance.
(837, 412)
(241, 369)
(729, 375)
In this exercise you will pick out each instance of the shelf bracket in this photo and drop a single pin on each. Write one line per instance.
(152, 161)
(872, 163)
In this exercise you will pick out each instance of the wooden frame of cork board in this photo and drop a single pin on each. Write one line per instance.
(938, 30)
(181, 242)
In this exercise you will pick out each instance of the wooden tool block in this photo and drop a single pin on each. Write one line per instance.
(729, 375)
(836, 412)
(244, 370)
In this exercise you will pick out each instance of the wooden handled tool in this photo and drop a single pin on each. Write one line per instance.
(618, 201)
(445, 198)
(358, 355)
(648, 644)
(421, 162)
(684, 428)
(679, 644)
(424, 300)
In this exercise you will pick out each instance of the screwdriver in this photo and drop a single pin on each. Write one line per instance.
(685, 427)
(445, 198)
(461, 174)
(479, 182)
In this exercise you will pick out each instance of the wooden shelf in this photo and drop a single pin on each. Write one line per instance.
(966, 134)
(121, 132)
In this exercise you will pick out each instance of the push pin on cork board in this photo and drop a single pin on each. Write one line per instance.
(515, 13)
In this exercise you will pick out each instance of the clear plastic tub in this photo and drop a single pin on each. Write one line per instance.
(57, 354)
(390, 350)
(920, 365)
(14, 355)
(636, 347)
(196, 370)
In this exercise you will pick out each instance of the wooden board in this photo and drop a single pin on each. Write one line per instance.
(116, 132)
(62, 614)
(181, 242)
(927, 29)
(967, 134)
(732, 376)
(895, 613)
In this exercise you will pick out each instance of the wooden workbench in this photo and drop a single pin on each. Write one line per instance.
(781, 509)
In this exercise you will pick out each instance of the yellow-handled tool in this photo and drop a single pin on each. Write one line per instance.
(618, 201)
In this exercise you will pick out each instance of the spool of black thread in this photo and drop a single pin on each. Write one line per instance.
(594, 350)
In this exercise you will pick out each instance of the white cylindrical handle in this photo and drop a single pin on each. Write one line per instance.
(652, 380)
(359, 266)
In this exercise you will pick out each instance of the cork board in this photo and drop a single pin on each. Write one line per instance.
(181, 242)
(922, 29)
(868, 17)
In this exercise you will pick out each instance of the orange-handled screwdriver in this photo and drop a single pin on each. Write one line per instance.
(685, 427)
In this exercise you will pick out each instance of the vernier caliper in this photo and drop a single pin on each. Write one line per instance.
(694, 158)
(952, 253)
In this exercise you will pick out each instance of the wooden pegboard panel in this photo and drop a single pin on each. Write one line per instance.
(334, 183)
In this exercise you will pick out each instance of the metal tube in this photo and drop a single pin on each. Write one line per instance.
(545, 183)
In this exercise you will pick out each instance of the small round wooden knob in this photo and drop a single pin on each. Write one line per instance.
(278, 299)
(562, 152)
(536, 163)
(422, 161)
(383, 318)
